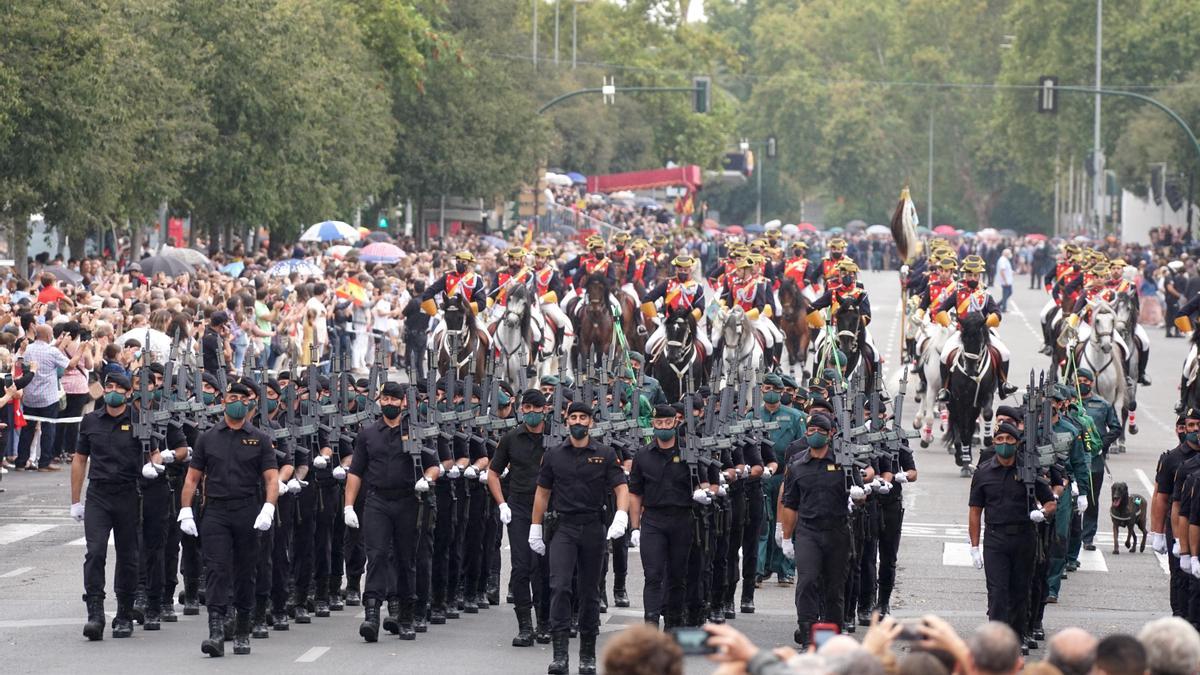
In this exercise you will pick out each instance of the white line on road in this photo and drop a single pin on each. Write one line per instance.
(16, 573)
(312, 655)
(82, 541)
(10, 534)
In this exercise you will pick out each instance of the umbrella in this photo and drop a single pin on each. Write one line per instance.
(879, 230)
(577, 178)
(622, 194)
(806, 227)
(158, 344)
(234, 269)
(338, 251)
(492, 240)
(755, 228)
(945, 230)
(773, 224)
(169, 265)
(301, 266)
(968, 235)
(189, 255)
(836, 230)
(855, 225)
(1008, 234)
(330, 230)
(379, 235)
(1036, 236)
(734, 229)
(64, 274)
(646, 201)
(1081, 237)
(381, 252)
(790, 230)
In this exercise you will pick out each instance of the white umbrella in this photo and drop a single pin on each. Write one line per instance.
(879, 230)
(158, 344)
(790, 230)
(772, 224)
(188, 255)
(331, 230)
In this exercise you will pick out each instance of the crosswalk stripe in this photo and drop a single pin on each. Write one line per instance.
(82, 541)
(312, 655)
(10, 534)
(958, 554)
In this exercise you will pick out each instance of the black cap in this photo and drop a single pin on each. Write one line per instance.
(393, 389)
(580, 407)
(819, 402)
(251, 385)
(1008, 428)
(663, 411)
(1010, 412)
(275, 386)
(323, 383)
(1192, 414)
(361, 383)
(239, 388)
(821, 421)
(211, 380)
(120, 380)
(1180, 421)
(533, 397)
(157, 369)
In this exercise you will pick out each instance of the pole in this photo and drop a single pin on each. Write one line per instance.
(758, 170)
(574, 30)
(555, 32)
(929, 185)
(1097, 152)
(535, 34)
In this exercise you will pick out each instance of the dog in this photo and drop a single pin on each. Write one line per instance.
(1128, 510)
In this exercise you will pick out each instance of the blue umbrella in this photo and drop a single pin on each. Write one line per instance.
(284, 268)
(330, 230)
(755, 228)
(577, 178)
(234, 269)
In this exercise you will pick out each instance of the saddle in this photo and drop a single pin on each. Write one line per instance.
(991, 356)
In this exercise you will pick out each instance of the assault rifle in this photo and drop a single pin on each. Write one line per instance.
(145, 420)
(558, 429)
(1034, 455)
(414, 447)
(846, 451)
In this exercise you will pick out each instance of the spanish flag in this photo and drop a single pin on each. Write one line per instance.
(529, 235)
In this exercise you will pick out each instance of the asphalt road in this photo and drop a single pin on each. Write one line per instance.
(41, 555)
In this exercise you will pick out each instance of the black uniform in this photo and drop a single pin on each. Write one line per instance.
(891, 511)
(520, 451)
(1009, 544)
(663, 481)
(1164, 481)
(156, 505)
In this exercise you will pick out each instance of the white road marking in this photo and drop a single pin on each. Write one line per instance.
(958, 554)
(312, 655)
(82, 541)
(16, 573)
(10, 534)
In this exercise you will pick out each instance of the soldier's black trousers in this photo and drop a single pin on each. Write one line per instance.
(867, 557)
(737, 526)
(699, 561)
(750, 535)
(389, 536)
(156, 512)
(177, 542)
(443, 541)
(230, 550)
(529, 580)
(304, 538)
(327, 544)
(575, 549)
(1008, 557)
(352, 545)
(720, 559)
(666, 544)
(476, 555)
(281, 550)
(891, 523)
(111, 509)
(424, 558)
(822, 561)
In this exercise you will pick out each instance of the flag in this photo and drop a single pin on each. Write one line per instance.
(904, 227)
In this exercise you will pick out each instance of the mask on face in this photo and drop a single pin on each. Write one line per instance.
(1192, 437)
(847, 280)
(771, 397)
(534, 418)
(620, 247)
(971, 283)
(1085, 389)
(1006, 450)
(818, 440)
(599, 255)
(579, 432)
(391, 411)
(114, 399)
(683, 276)
(514, 268)
(1180, 435)
(423, 407)
(360, 401)
(785, 398)
(664, 435)
(272, 404)
(460, 267)
(325, 400)
(236, 410)
(157, 394)
(835, 255)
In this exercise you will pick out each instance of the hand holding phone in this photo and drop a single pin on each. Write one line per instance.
(821, 632)
(693, 641)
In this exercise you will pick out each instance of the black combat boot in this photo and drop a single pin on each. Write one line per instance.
(747, 605)
(651, 620)
(864, 617)
(729, 611)
(620, 596)
(524, 636)
(166, 610)
(694, 617)
(259, 627)
(230, 624)
(369, 628)
(336, 603)
(437, 615)
(561, 665)
(191, 605)
(152, 614)
(215, 644)
(94, 628)
(470, 606)
(321, 603)
(279, 618)
(392, 623)
(493, 589)
(122, 623)
(421, 618)
(1143, 358)
(138, 610)
(241, 633)
(453, 607)
(715, 615)
(353, 594)
(407, 630)
(604, 601)
(587, 654)
(541, 632)
(801, 636)
(301, 611)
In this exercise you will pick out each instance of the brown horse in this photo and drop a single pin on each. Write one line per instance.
(461, 341)
(791, 320)
(593, 323)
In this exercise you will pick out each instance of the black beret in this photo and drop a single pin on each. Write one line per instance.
(361, 383)
(211, 380)
(157, 368)
(663, 411)
(1010, 411)
(393, 389)
(1192, 414)
(323, 382)
(533, 397)
(677, 407)
(285, 375)
(251, 385)
(1010, 429)
(820, 421)
(1180, 421)
(275, 386)
(118, 379)
(819, 402)
(239, 388)
(580, 407)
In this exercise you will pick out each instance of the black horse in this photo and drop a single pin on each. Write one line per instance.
(974, 369)
(461, 341)
(1189, 394)
(678, 361)
(850, 338)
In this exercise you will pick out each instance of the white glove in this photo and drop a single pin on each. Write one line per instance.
(1185, 563)
(1175, 548)
(977, 557)
(283, 488)
(635, 538)
(619, 524)
(454, 471)
(294, 486)
(1195, 570)
(148, 471)
(850, 504)
(1074, 489)
(901, 477)
(700, 496)
(320, 462)
(904, 270)
(866, 488)
(789, 549)
(265, 517)
(77, 512)
(535, 540)
(483, 476)
(1037, 516)
(339, 472)
(350, 517)
(1158, 542)
(766, 472)
(471, 473)
(721, 491)
(441, 470)
(505, 474)
(187, 522)
(422, 485)
(779, 535)
(505, 514)
(857, 493)
(1081, 503)
(884, 487)
(167, 456)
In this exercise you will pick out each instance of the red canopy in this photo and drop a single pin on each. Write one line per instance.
(681, 176)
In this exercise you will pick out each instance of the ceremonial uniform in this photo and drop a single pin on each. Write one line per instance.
(1068, 444)
(549, 289)
(676, 295)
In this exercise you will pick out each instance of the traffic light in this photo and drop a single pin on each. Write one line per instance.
(701, 86)
(383, 222)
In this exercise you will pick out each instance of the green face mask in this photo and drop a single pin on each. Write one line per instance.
(771, 397)
(1085, 389)
(818, 440)
(272, 404)
(236, 410)
(158, 394)
(325, 400)
(114, 399)
(534, 418)
(390, 411)
(208, 397)
(578, 432)
(1006, 450)
(664, 434)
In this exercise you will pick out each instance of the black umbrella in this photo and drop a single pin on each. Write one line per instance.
(167, 264)
(64, 274)
(379, 235)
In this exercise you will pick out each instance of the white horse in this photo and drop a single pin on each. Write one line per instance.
(931, 337)
(1100, 350)
(741, 351)
(519, 337)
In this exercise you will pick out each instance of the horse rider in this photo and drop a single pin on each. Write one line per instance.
(969, 296)
(939, 283)
(1096, 290)
(839, 288)
(679, 292)
(1120, 280)
(750, 292)
(548, 286)
(643, 272)
(507, 278)
(796, 267)
(827, 269)
(758, 253)
(622, 259)
(1067, 283)
(464, 281)
(661, 251)
(726, 269)
(583, 266)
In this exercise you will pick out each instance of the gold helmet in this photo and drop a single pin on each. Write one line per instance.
(756, 259)
(1100, 270)
(660, 240)
(516, 253)
(543, 252)
(621, 237)
(595, 244)
(1070, 249)
(773, 234)
(837, 244)
(744, 264)
(640, 244)
(947, 264)
(847, 266)
(799, 245)
(685, 261)
(465, 256)
(973, 264)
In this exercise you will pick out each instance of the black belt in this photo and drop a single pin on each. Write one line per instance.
(579, 516)
(390, 493)
(826, 523)
(230, 502)
(112, 485)
(1011, 528)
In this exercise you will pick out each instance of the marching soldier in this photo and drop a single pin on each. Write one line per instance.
(790, 427)
(1161, 525)
(237, 463)
(1106, 420)
(891, 510)
(572, 485)
(1070, 445)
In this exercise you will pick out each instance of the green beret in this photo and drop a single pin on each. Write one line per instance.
(551, 380)
(773, 379)
(1085, 373)
(789, 381)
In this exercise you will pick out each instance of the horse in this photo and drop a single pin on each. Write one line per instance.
(739, 345)
(593, 323)
(1101, 354)
(461, 340)
(518, 336)
(678, 361)
(793, 306)
(929, 339)
(1189, 389)
(1126, 311)
(974, 375)
(849, 335)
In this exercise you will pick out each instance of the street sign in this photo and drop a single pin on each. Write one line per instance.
(1047, 94)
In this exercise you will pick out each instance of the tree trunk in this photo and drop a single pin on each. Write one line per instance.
(20, 246)
(75, 246)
